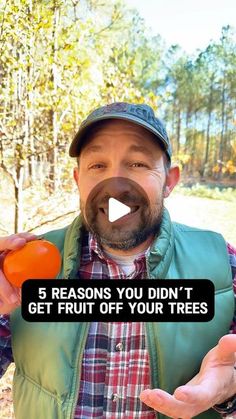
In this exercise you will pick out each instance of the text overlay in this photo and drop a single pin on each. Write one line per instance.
(123, 300)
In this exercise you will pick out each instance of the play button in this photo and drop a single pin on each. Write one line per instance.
(116, 202)
(116, 209)
(118, 213)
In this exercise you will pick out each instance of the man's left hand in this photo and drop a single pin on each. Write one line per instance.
(215, 383)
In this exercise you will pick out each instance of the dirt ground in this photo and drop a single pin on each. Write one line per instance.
(6, 405)
(211, 214)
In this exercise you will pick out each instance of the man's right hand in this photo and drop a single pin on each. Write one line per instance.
(9, 295)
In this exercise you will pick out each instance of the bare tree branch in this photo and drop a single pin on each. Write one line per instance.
(3, 20)
(5, 170)
(51, 221)
(109, 26)
(4, 230)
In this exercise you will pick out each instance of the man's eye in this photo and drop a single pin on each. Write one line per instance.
(139, 164)
(96, 166)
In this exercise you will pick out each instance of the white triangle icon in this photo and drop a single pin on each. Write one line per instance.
(116, 209)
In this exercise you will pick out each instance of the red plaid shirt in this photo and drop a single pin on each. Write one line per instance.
(115, 366)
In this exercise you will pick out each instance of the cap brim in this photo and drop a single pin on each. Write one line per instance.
(77, 142)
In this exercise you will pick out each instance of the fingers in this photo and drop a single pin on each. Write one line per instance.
(15, 241)
(9, 296)
(203, 395)
(227, 349)
(167, 404)
(7, 291)
(6, 308)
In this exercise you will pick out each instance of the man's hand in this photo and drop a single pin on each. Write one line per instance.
(10, 295)
(215, 383)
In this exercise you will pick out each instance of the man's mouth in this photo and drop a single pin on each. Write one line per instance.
(104, 210)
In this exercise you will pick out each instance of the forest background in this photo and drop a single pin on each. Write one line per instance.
(59, 59)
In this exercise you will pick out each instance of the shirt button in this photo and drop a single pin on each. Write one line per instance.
(115, 397)
(119, 346)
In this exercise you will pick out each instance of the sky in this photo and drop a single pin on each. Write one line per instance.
(189, 23)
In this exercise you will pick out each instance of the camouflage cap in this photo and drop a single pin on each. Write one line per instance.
(139, 114)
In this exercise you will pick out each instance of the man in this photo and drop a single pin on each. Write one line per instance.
(99, 370)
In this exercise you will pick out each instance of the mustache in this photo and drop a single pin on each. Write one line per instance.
(127, 198)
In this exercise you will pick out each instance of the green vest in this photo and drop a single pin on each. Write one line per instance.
(48, 355)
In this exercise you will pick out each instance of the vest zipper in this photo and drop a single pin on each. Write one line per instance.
(77, 375)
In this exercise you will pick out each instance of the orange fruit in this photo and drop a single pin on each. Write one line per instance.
(38, 259)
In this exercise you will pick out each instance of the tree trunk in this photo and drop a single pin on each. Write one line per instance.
(178, 131)
(18, 189)
(194, 143)
(187, 131)
(221, 148)
(209, 108)
(53, 176)
(30, 107)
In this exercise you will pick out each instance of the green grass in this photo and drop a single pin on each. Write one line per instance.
(219, 193)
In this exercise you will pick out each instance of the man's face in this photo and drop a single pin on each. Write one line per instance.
(127, 155)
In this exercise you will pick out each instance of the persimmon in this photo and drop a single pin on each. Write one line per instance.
(37, 259)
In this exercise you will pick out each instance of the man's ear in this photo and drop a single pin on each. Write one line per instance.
(76, 175)
(172, 179)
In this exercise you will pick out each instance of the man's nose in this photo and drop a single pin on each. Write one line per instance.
(117, 186)
(117, 171)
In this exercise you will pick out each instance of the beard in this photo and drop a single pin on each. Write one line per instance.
(145, 223)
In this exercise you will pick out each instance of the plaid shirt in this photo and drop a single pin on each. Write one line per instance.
(115, 366)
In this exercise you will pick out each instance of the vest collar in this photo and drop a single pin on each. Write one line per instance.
(72, 248)
(161, 251)
(158, 260)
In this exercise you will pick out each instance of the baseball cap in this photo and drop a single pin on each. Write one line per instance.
(139, 114)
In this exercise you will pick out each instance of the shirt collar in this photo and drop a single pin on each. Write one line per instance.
(91, 248)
